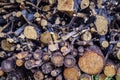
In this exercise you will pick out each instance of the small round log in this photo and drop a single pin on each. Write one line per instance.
(8, 65)
(86, 36)
(110, 69)
(56, 72)
(38, 75)
(71, 73)
(69, 61)
(5, 45)
(85, 77)
(19, 62)
(57, 59)
(47, 68)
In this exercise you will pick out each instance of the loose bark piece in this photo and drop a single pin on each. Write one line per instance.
(92, 61)
(30, 32)
(66, 5)
(101, 25)
(109, 70)
(84, 4)
(71, 73)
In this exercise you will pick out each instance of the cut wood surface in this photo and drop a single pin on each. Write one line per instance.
(91, 62)
(101, 25)
(109, 70)
(30, 32)
(71, 74)
(66, 5)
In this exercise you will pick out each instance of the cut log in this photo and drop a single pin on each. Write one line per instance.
(84, 4)
(71, 74)
(38, 75)
(19, 62)
(92, 61)
(109, 70)
(57, 59)
(66, 5)
(101, 25)
(118, 54)
(69, 61)
(118, 73)
(85, 77)
(86, 36)
(30, 32)
(5, 45)
(47, 37)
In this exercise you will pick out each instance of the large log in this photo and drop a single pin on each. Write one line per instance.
(92, 61)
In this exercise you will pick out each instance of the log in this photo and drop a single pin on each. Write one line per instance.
(109, 69)
(102, 76)
(84, 4)
(92, 61)
(19, 62)
(57, 59)
(118, 73)
(71, 73)
(5, 45)
(118, 54)
(38, 75)
(66, 5)
(30, 32)
(101, 25)
(85, 77)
